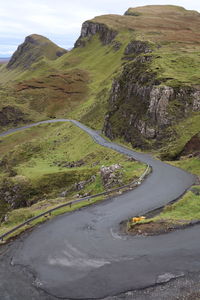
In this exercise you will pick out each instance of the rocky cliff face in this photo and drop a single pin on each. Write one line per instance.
(89, 29)
(141, 110)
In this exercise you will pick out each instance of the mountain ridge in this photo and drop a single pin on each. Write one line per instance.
(153, 52)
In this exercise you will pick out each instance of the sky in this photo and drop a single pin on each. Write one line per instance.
(60, 20)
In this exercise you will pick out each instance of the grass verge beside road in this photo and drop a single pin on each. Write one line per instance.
(180, 214)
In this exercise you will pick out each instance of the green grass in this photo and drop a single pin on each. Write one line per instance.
(186, 209)
(177, 64)
(182, 212)
(191, 165)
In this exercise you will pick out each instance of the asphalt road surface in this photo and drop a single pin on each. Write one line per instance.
(82, 255)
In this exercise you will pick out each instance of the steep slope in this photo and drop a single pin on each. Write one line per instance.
(33, 49)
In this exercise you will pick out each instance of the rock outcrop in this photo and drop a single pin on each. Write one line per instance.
(11, 115)
(15, 192)
(137, 47)
(111, 176)
(90, 28)
(141, 109)
(78, 186)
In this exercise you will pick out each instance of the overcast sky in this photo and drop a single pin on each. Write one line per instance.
(60, 20)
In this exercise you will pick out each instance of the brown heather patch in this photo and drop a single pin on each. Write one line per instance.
(55, 93)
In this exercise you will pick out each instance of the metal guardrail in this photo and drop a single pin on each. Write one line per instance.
(48, 212)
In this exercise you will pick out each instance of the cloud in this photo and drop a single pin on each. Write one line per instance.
(61, 20)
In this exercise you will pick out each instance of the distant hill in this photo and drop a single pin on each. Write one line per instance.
(4, 60)
(33, 49)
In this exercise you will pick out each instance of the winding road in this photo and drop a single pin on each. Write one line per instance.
(82, 255)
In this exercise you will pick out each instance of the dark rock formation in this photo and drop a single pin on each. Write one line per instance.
(78, 186)
(15, 192)
(90, 28)
(116, 45)
(192, 147)
(11, 115)
(69, 164)
(137, 47)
